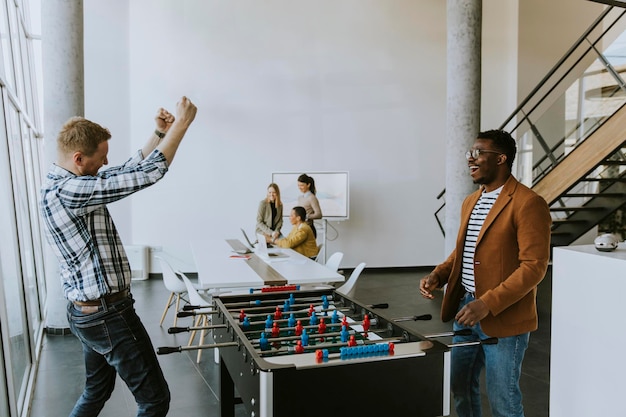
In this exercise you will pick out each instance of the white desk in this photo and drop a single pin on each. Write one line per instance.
(217, 269)
(587, 343)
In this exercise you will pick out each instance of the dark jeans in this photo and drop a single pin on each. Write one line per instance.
(116, 342)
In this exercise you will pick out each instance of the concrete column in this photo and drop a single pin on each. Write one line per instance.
(63, 89)
(464, 22)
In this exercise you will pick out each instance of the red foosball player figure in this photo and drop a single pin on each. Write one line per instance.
(278, 314)
(242, 315)
(275, 330)
(311, 310)
(321, 328)
(366, 323)
(299, 347)
(299, 328)
(352, 341)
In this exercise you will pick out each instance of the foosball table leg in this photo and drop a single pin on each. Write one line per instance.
(227, 392)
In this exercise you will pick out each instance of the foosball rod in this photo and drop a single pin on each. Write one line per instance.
(174, 330)
(462, 332)
(281, 307)
(271, 301)
(488, 341)
(413, 318)
(320, 310)
(330, 345)
(194, 313)
(189, 307)
(373, 323)
(164, 350)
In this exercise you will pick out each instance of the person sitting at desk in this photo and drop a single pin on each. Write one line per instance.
(300, 237)
(269, 217)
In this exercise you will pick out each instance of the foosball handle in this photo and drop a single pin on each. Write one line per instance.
(463, 332)
(185, 313)
(174, 330)
(381, 305)
(164, 350)
(423, 317)
(189, 307)
(490, 341)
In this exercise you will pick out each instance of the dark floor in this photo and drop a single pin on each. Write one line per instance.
(195, 386)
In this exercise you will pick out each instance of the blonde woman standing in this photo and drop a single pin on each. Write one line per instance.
(269, 217)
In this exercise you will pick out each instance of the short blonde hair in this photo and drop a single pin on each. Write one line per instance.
(80, 134)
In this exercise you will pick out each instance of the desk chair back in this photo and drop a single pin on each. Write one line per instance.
(351, 282)
(334, 260)
(319, 257)
(175, 286)
(202, 313)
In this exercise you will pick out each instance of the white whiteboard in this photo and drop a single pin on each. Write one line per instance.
(332, 191)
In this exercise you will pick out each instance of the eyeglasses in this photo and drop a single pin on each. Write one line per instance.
(475, 153)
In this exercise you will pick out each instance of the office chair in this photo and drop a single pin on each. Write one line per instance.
(349, 284)
(319, 252)
(202, 314)
(334, 260)
(175, 286)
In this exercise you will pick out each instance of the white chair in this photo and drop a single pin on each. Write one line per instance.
(349, 284)
(334, 260)
(175, 286)
(318, 257)
(202, 314)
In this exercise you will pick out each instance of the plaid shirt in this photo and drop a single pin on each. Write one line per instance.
(80, 229)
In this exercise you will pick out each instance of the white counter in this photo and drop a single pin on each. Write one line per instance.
(588, 343)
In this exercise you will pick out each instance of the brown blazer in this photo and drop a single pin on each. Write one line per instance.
(511, 258)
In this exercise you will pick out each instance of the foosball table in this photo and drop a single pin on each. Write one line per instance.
(310, 353)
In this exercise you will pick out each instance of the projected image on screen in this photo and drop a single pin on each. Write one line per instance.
(332, 192)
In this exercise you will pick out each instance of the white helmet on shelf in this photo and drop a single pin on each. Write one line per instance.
(606, 242)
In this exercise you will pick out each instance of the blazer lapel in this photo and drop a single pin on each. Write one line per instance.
(503, 199)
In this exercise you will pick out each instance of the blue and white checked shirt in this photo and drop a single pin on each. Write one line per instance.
(80, 229)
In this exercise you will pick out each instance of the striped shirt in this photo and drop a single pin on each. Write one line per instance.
(80, 230)
(477, 218)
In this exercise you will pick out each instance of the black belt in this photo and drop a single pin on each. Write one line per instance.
(108, 299)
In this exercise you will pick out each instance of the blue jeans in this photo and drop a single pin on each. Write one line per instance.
(503, 367)
(116, 342)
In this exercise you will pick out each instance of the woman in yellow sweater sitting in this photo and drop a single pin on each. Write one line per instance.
(300, 238)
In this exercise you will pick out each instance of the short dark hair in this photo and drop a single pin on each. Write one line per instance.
(300, 212)
(502, 142)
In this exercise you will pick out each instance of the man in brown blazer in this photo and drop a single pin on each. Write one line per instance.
(502, 252)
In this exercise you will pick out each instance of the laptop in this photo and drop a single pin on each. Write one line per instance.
(250, 244)
(262, 251)
(245, 235)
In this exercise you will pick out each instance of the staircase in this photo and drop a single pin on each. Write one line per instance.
(571, 132)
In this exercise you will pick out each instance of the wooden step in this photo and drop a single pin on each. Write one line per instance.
(565, 221)
(575, 208)
(603, 179)
(594, 195)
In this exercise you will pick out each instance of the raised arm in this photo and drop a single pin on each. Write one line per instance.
(185, 113)
(163, 122)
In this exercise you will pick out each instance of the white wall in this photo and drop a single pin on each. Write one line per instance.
(290, 85)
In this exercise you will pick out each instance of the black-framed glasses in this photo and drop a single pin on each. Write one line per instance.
(475, 153)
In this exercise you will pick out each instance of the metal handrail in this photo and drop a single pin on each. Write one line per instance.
(524, 116)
